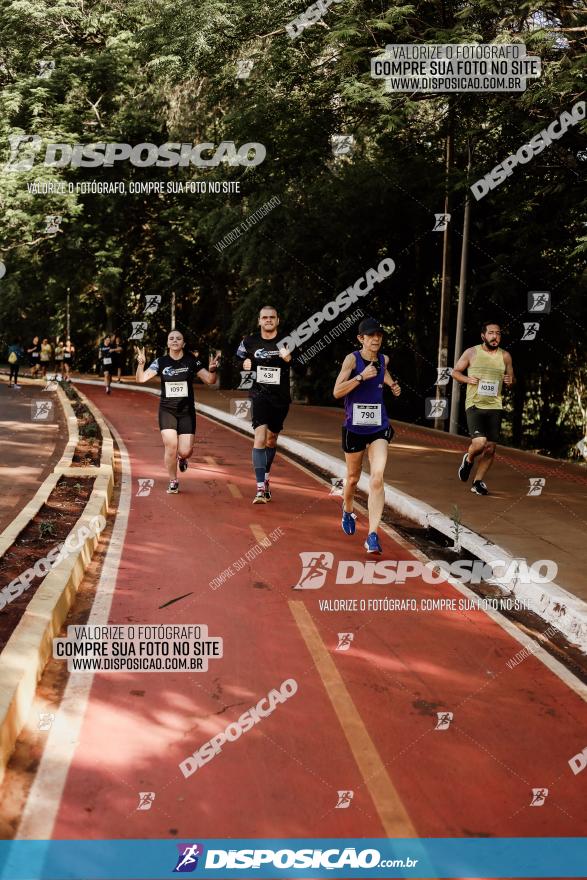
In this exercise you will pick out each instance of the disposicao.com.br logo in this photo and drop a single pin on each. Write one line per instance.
(331, 859)
(26, 149)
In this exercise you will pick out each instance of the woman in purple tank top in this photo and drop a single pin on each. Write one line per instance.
(361, 381)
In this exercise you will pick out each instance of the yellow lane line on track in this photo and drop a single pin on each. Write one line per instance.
(388, 804)
(234, 490)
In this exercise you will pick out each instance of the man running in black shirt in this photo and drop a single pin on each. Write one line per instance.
(269, 393)
(177, 414)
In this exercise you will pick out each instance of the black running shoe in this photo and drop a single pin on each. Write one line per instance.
(267, 491)
(465, 468)
(183, 464)
(479, 488)
(173, 487)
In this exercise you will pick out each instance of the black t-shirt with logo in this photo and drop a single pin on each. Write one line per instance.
(106, 357)
(177, 377)
(271, 371)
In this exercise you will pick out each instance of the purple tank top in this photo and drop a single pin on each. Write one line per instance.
(364, 408)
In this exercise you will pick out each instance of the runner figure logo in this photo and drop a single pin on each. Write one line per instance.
(145, 486)
(247, 379)
(342, 144)
(45, 69)
(344, 800)
(189, 854)
(146, 799)
(443, 375)
(46, 719)
(314, 568)
(337, 487)
(344, 641)
(152, 303)
(23, 147)
(539, 795)
(139, 328)
(436, 409)
(52, 223)
(244, 67)
(444, 719)
(530, 331)
(441, 222)
(539, 301)
(242, 408)
(41, 410)
(537, 484)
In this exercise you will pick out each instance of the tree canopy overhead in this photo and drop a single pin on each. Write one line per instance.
(152, 72)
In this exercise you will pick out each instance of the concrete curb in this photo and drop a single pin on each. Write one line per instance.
(551, 602)
(30, 646)
(30, 510)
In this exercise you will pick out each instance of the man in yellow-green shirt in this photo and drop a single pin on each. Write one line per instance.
(484, 369)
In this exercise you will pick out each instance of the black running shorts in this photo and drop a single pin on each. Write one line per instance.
(484, 423)
(267, 413)
(183, 423)
(352, 442)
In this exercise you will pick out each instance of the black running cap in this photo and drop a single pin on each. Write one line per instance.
(368, 326)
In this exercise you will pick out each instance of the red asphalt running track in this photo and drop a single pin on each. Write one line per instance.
(362, 720)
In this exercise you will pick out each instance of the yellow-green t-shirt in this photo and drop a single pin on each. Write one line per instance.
(489, 369)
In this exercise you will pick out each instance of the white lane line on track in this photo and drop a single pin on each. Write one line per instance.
(44, 800)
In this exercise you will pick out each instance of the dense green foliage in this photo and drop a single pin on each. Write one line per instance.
(149, 71)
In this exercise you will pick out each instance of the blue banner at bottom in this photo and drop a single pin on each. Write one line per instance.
(530, 857)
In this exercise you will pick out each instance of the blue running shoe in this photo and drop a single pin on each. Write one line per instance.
(348, 522)
(372, 544)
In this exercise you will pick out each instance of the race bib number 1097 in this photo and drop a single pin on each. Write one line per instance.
(176, 389)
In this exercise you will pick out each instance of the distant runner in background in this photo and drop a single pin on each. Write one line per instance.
(46, 356)
(177, 414)
(361, 381)
(58, 354)
(117, 358)
(68, 356)
(15, 359)
(488, 368)
(34, 353)
(106, 360)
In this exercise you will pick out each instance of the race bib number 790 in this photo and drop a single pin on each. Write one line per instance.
(366, 413)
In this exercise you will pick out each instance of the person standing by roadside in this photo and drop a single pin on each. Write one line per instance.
(15, 358)
(34, 353)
